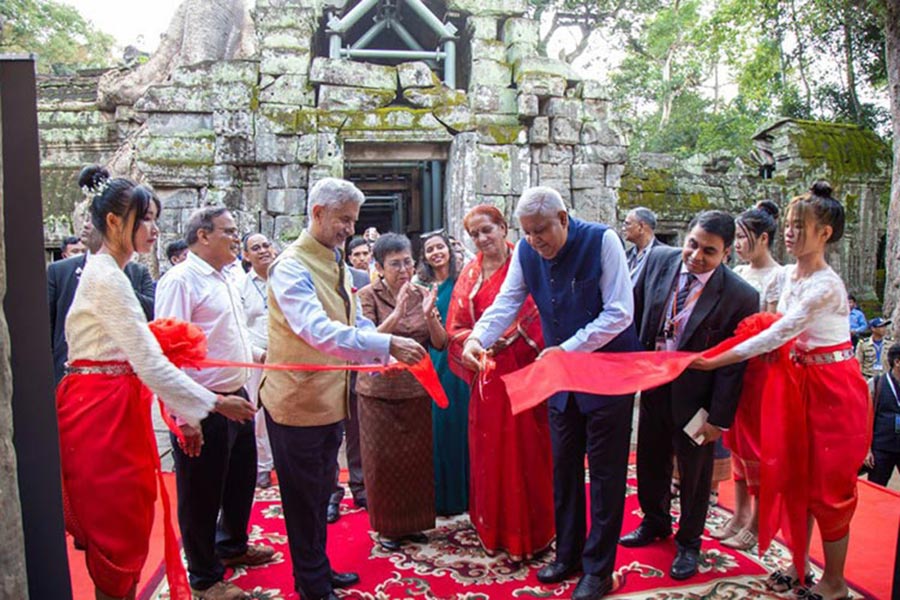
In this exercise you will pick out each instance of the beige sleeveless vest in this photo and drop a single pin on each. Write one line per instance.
(308, 398)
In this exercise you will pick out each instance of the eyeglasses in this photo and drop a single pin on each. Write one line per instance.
(399, 265)
(230, 232)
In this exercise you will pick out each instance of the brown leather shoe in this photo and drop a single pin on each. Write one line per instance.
(221, 590)
(255, 555)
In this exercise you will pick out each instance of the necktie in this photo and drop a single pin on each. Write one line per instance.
(681, 298)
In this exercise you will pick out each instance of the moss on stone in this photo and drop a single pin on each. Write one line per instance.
(390, 118)
(845, 151)
(254, 98)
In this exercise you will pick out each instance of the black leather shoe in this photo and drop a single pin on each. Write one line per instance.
(333, 513)
(592, 587)
(643, 536)
(556, 572)
(416, 538)
(685, 564)
(389, 544)
(342, 580)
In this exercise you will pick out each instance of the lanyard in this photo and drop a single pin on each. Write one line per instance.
(259, 291)
(893, 389)
(688, 301)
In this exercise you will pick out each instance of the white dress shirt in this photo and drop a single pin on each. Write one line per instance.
(614, 289)
(293, 289)
(256, 308)
(194, 291)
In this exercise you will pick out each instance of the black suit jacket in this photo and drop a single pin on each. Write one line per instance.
(62, 279)
(725, 301)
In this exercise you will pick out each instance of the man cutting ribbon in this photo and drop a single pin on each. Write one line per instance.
(314, 318)
(578, 276)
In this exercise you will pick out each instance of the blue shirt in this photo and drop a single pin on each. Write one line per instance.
(858, 322)
(293, 288)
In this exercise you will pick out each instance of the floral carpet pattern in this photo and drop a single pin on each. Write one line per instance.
(453, 566)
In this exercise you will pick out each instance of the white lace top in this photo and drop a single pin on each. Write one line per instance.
(814, 310)
(763, 281)
(106, 323)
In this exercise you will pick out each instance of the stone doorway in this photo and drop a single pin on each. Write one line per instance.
(404, 188)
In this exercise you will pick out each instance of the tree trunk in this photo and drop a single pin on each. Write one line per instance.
(201, 30)
(801, 56)
(852, 97)
(892, 280)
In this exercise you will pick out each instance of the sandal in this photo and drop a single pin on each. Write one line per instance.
(780, 582)
(742, 540)
(808, 594)
(728, 530)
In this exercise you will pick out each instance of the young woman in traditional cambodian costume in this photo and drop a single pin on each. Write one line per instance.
(815, 413)
(108, 450)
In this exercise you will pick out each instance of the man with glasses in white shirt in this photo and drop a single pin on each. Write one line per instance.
(215, 465)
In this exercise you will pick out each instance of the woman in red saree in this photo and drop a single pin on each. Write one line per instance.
(511, 495)
(108, 454)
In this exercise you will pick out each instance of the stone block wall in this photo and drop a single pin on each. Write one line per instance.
(676, 189)
(255, 135)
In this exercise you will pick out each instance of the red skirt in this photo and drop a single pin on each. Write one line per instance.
(110, 473)
(511, 479)
(816, 435)
(743, 437)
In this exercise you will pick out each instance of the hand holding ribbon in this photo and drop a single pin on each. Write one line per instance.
(184, 344)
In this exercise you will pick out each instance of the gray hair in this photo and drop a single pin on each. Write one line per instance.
(644, 215)
(331, 191)
(543, 201)
(202, 219)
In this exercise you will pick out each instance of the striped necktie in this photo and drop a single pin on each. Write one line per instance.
(681, 298)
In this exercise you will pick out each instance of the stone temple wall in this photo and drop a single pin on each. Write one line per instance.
(853, 160)
(256, 134)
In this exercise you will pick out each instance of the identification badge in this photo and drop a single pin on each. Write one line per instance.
(665, 344)
(878, 367)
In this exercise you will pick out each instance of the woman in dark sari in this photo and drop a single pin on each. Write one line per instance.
(394, 409)
(511, 503)
(438, 271)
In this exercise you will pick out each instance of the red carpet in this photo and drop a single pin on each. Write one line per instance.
(452, 565)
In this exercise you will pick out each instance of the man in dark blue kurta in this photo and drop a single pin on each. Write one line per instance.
(578, 276)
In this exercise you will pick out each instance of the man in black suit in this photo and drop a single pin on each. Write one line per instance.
(62, 279)
(686, 299)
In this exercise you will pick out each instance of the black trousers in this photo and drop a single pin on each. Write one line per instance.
(885, 463)
(215, 495)
(354, 454)
(304, 458)
(604, 434)
(658, 440)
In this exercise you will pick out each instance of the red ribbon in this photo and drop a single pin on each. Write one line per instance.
(612, 373)
(185, 345)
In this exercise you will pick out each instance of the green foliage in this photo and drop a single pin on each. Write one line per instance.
(62, 38)
(703, 75)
